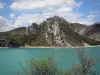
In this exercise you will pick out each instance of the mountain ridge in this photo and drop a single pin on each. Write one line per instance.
(54, 31)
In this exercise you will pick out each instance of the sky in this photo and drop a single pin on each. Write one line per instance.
(19, 13)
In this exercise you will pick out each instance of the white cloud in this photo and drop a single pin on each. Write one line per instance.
(12, 16)
(1, 5)
(47, 8)
(38, 10)
(41, 4)
(63, 11)
(93, 15)
(28, 19)
(63, 8)
(5, 25)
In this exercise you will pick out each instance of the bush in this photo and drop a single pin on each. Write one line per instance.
(42, 67)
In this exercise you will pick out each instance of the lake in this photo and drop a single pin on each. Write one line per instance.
(64, 57)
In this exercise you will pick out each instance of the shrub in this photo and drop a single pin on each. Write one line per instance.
(42, 67)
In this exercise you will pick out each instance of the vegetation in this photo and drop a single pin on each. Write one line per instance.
(42, 67)
(27, 39)
(14, 43)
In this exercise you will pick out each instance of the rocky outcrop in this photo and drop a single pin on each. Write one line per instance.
(33, 29)
(54, 35)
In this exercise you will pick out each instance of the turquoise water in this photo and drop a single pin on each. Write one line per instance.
(65, 57)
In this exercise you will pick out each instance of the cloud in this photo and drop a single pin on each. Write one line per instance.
(48, 8)
(96, 13)
(91, 16)
(68, 13)
(12, 16)
(2, 5)
(5, 25)
(21, 5)
(38, 10)
(94, 16)
(28, 19)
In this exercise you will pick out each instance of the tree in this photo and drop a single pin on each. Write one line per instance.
(86, 64)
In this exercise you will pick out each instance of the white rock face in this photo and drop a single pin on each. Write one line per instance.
(86, 44)
(82, 31)
(55, 36)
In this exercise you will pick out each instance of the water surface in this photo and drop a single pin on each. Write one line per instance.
(65, 57)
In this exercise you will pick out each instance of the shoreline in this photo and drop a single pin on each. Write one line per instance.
(61, 47)
(52, 47)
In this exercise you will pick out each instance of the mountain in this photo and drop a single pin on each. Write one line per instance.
(93, 31)
(78, 28)
(54, 31)
(19, 32)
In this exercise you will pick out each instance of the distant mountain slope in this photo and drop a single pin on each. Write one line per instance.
(79, 28)
(93, 31)
(55, 31)
(19, 32)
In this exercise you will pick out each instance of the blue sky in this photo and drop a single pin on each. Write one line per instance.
(19, 13)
